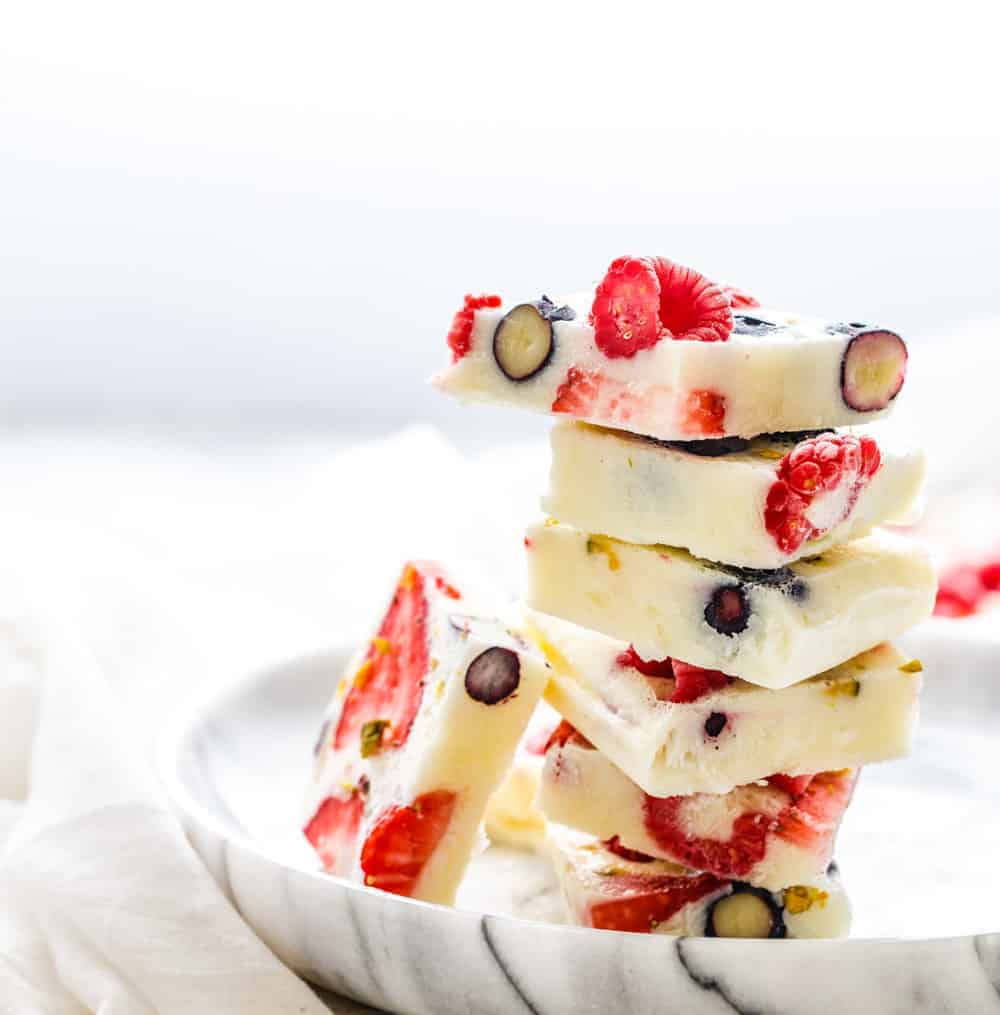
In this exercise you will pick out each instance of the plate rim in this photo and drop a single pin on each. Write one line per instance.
(195, 707)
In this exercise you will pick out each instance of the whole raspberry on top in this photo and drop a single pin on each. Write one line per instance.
(642, 300)
(460, 333)
(813, 467)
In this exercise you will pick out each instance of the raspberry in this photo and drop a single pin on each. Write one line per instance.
(960, 590)
(989, 575)
(460, 333)
(333, 829)
(578, 393)
(815, 466)
(704, 413)
(693, 682)
(642, 300)
(393, 668)
(403, 839)
(648, 667)
(738, 299)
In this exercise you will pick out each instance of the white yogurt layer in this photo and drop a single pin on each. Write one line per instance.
(769, 628)
(634, 489)
(862, 711)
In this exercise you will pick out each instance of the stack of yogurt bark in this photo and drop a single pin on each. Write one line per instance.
(709, 610)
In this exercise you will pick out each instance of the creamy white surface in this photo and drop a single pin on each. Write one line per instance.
(786, 380)
(817, 725)
(622, 485)
(856, 595)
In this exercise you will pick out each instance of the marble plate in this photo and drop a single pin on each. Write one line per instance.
(919, 853)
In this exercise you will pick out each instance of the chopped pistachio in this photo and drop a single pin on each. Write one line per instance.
(549, 522)
(913, 666)
(602, 544)
(801, 898)
(364, 672)
(371, 736)
(847, 687)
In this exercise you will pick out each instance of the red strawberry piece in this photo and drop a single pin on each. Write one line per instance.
(960, 590)
(460, 333)
(691, 307)
(449, 590)
(578, 393)
(333, 830)
(403, 839)
(563, 734)
(626, 308)
(704, 413)
(738, 299)
(693, 682)
(642, 300)
(630, 659)
(539, 741)
(645, 900)
(613, 845)
(813, 467)
(811, 819)
(793, 785)
(989, 576)
(389, 684)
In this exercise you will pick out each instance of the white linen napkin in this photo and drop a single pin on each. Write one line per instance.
(120, 595)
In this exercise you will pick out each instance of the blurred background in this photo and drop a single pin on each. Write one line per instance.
(232, 235)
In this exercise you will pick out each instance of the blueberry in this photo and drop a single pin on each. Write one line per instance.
(781, 578)
(728, 609)
(744, 324)
(745, 912)
(551, 312)
(712, 447)
(715, 724)
(493, 676)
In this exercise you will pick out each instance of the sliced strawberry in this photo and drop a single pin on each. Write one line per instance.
(389, 684)
(460, 332)
(333, 831)
(613, 845)
(564, 733)
(648, 667)
(691, 307)
(693, 682)
(644, 901)
(642, 300)
(704, 414)
(626, 308)
(793, 785)
(812, 818)
(538, 742)
(403, 839)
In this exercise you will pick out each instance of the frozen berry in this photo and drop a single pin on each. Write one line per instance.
(523, 342)
(613, 845)
(493, 676)
(551, 312)
(704, 413)
(712, 447)
(642, 901)
(744, 324)
(989, 575)
(715, 724)
(642, 300)
(388, 686)
(793, 785)
(693, 682)
(333, 829)
(460, 333)
(631, 659)
(814, 467)
(403, 839)
(872, 370)
(960, 590)
(728, 609)
(563, 734)
(745, 912)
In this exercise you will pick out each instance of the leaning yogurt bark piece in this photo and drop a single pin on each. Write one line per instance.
(772, 834)
(420, 732)
(676, 730)
(760, 503)
(616, 889)
(771, 628)
(660, 350)
(512, 816)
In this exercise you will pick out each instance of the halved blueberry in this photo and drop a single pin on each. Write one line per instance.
(728, 609)
(745, 912)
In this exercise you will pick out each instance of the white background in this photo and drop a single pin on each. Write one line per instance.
(267, 213)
